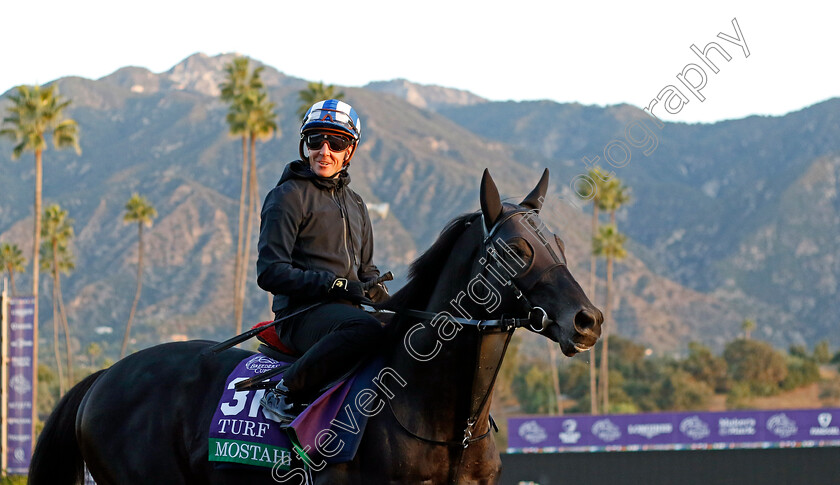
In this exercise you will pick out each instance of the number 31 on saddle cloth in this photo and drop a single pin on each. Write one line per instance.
(242, 434)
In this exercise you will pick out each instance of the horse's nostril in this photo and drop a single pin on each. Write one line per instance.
(585, 320)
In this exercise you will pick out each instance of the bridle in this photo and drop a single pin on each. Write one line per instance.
(543, 255)
(536, 318)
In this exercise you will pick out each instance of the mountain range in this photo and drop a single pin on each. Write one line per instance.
(731, 220)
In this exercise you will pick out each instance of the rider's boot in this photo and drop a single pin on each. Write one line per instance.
(277, 405)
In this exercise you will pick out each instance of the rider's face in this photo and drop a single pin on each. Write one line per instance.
(327, 163)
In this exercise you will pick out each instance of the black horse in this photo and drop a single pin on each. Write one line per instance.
(146, 419)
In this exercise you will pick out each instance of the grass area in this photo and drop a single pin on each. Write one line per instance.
(13, 480)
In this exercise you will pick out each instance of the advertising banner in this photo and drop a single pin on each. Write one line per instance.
(658, 431)
(21, 375)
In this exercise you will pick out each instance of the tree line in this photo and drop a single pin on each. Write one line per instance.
(640, 382)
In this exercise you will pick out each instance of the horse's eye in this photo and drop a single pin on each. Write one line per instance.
(517, 250)
(521, 249)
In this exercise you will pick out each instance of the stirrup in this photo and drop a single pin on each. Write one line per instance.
(277, 408)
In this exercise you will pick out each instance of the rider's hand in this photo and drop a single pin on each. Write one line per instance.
(344, 289)
(378, 293)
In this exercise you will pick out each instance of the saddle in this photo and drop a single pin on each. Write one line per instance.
(272, 347)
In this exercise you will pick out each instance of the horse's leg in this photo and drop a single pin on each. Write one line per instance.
(480, 464)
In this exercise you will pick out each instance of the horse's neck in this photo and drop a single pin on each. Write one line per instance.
(450, 369)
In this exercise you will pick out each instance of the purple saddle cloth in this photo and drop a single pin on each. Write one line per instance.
(328, 430)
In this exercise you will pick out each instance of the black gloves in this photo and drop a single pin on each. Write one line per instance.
(344, 289)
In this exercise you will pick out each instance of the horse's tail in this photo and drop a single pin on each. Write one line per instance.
(57, 458)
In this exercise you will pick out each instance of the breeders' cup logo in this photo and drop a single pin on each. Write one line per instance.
(570, 433)
(694, 427)
(532, 432)
(606, 430)
(781, 425)
(20, 384)
(260, 363)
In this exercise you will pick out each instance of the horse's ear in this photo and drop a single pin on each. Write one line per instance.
(491, 203)
(534, 200)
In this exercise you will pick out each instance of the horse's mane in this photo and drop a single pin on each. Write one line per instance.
(425, 270)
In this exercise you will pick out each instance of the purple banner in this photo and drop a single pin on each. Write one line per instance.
(21, 378)
(630, 432)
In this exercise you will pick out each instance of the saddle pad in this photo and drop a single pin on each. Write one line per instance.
(241, 433)
(331, 428)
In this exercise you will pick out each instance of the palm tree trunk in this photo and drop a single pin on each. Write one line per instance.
(12, 281)
(555, 378)
(56, 349)
(251, 214)
(605, 331)
(66, 328)
(593, 388)
(36, 244)
(237, 276)
(62, 315)
(139, 287)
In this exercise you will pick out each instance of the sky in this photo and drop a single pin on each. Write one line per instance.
(594, 53)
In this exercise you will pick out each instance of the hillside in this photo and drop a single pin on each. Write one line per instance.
(710, 205)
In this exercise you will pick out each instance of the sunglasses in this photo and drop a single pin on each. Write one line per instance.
(337, 143)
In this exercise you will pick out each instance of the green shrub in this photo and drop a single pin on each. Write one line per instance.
(801, 372)
(756, 364)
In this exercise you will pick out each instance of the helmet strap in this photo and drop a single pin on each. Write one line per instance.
(353, 153)
(300, 151)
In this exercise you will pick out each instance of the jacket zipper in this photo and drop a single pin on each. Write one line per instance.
(345, 221)
(349, 231)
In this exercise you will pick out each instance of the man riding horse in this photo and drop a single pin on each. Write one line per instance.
(316, 245)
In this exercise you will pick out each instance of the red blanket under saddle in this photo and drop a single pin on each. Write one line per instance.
(269, 337)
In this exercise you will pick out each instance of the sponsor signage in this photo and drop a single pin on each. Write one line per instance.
(629, 432)
(21, 374)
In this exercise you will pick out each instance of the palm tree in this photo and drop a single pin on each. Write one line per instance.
(252, 116)
(138, 210)
(608, 244)
(614, 194)
(315, 92)
(261, 125)
(57, 231)
(11, 259)
(748, 325)
(33, 113)
(237, 86)
(599, 179)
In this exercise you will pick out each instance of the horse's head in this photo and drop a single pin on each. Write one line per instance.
(522, 251)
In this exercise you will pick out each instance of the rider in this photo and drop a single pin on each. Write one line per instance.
(316, 245)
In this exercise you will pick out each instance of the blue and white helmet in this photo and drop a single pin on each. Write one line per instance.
(332, 115)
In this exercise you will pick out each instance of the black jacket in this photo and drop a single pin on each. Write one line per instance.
(312, 230)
